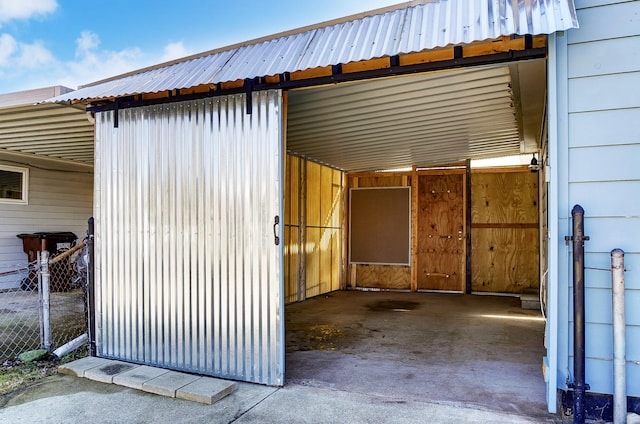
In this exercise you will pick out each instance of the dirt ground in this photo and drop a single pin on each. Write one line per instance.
(20, 320)
(20, 332)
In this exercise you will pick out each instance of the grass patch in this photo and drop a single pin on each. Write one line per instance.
(15, 374)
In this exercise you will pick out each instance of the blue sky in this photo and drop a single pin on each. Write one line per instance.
(74, 42)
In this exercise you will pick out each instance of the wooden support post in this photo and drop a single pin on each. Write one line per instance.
(344, 184)
(302, 236)
(414, 229)
(352, 267)
(467, 225)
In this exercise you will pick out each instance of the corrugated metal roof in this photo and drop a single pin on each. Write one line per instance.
(406, 28)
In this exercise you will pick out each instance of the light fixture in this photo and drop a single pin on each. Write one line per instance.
(533, 166)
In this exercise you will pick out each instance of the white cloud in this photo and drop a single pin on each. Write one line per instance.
(16, 56)
(86, 42)
(174, 51)
(8, 46)
(25, 9)
(33, 56)
(94, 65)
(25, 66)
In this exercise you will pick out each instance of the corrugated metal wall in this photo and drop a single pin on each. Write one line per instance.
(188, 274)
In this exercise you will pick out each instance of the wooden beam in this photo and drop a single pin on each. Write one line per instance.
(378, 174)
(533, 225)
(500, 169)
(366, 65)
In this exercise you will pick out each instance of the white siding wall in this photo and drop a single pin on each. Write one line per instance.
(601, 153)
(60, 199)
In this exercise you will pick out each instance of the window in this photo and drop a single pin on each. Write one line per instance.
(13, 184)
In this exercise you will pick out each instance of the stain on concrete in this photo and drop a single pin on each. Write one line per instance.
(116, 368)
(323, 337)
(392, 306)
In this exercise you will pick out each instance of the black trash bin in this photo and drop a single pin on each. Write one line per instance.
(55, 243)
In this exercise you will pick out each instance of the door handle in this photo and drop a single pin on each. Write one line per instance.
(276, 239)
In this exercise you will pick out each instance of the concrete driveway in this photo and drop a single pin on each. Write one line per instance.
(351, 357)
(66, 399)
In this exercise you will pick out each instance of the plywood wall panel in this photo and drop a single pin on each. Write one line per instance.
(505, 235)
(314, 205)
(388, 277)
(321, 223)
(290, 264)
(291, 192)
(313, 258)
(505, 260)
(510, 197)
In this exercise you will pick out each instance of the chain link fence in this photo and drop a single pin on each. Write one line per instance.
(19, 311)
(34, 316)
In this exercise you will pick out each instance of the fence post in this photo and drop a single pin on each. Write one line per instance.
(619, 359)
(45, 322)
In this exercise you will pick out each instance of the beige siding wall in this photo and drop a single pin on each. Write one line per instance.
(60, 198)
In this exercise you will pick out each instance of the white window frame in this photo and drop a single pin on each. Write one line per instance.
(25, 185)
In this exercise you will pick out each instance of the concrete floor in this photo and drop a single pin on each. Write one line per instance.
(481, 351)
(357, 357)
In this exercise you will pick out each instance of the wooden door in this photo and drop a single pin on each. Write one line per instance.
(441, 235)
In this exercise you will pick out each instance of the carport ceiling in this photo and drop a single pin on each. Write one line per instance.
(423, 120)
(45, 130)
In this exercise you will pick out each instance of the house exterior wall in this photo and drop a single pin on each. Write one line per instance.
(60, 198)
(596, 70)
(188, 271)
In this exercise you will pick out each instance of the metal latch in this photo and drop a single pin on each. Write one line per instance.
(276, 221)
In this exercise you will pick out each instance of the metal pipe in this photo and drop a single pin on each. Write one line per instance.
(44, 300)
(619, 360)
(71, 346)
(579, 385)
(91, 301)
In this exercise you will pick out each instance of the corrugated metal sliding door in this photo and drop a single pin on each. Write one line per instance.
(188, 274)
